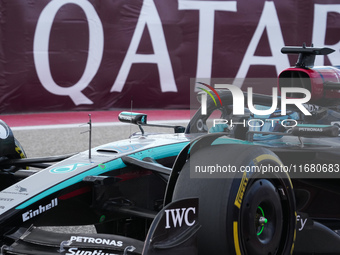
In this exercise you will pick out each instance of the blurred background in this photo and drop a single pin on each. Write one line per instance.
(76, 55)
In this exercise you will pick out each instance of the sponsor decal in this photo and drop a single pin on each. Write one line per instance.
(67, 168)
(302, 220)
(20, 189)
(14, 193)
(6, 199)
(76, 251)
(103, 241)
(306, 129)
(271, 18)
(41, 209)
(176, 217)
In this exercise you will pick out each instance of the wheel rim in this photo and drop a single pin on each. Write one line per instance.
(261, 219)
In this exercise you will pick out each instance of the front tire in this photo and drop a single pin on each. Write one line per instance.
(244, 212)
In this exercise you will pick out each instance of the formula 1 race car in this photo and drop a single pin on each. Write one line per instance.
(261, 182)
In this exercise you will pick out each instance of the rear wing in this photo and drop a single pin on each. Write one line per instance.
(306, 54)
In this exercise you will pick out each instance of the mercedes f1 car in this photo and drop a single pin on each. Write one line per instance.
(257, 183)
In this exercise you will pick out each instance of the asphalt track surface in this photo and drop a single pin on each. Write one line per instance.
(50, 134)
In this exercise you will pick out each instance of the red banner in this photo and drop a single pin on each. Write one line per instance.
(95, 55)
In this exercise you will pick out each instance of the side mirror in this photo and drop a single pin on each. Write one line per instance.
(140, 120)
(133, 117)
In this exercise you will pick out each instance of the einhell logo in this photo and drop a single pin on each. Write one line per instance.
(238, 99)
(41, 209)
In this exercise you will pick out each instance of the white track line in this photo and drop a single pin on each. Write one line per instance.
(101, 124)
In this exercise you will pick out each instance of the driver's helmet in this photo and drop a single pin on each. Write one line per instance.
(269, 123)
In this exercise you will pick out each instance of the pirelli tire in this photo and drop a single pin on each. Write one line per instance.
(243, 212)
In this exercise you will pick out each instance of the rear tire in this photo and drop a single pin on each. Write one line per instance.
(243, 213)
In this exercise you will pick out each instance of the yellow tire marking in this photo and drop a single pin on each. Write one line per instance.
(271, 157)
(236, 241)
(241, 190)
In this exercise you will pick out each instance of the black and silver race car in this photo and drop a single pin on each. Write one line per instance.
(225, 184)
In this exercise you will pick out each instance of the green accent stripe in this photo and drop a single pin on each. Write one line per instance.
(259, 233)
(262, 212)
